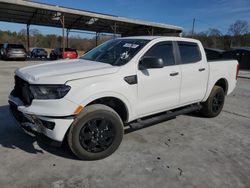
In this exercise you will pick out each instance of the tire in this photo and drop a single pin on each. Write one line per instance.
(84, 139)
(214, 104)
(5, 58)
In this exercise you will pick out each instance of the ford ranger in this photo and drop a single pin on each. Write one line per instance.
(132, 81)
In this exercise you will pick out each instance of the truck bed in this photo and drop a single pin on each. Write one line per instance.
(223, 69)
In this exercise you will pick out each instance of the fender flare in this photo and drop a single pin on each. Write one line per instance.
(119, 96)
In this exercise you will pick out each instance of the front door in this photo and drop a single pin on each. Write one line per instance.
(159, 89)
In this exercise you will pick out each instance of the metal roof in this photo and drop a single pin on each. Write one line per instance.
(215, 50)
(32, 13)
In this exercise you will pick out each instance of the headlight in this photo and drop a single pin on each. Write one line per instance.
(49, 91)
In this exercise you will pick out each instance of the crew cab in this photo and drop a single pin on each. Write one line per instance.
(132, 81)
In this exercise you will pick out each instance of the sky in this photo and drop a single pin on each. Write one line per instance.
(208, 13)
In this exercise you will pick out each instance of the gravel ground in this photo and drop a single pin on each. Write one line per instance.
(188, 151)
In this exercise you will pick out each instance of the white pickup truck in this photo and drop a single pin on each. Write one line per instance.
(133, 81)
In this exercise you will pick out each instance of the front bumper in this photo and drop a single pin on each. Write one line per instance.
(54, 128)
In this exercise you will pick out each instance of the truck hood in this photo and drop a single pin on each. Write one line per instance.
(59, 72)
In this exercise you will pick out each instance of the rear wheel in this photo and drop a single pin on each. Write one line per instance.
(96, 133)
(214, 104)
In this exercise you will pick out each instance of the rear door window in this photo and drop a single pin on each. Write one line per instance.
(189, 52)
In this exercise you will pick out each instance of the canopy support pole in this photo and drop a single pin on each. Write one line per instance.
(114, 29)
(28, 36)
(67, 38)
(96, 38)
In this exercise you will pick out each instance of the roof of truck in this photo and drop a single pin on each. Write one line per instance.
(162, 37)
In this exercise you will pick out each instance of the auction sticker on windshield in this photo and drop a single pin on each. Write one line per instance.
(129, 45)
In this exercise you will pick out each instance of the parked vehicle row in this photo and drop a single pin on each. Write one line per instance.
(69, 53)
(55, 54)
(18, 52)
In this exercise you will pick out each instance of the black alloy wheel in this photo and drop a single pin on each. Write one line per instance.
(96, 132)
(213, 106)
(97, 135)
(218, 102)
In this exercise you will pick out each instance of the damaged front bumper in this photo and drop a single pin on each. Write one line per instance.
(50, 129)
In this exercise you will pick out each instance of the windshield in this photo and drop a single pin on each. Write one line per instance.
(15, 46)
(70, 50)
(67, 49)
(116, 52)
(40, 50)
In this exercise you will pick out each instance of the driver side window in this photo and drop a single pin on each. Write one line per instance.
(164, 51)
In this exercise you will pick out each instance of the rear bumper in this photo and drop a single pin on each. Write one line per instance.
(16, 56)
(48, 128)
(41, 55)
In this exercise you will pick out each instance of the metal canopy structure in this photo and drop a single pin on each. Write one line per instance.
(32, 13)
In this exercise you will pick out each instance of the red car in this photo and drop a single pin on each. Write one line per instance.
(69, 53)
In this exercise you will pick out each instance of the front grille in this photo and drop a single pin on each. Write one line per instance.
(22, 91)
(17, 114)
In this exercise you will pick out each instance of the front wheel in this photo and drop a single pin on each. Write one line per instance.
(214, 104)
(96, 133)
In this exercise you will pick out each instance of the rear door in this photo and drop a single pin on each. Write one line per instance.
(158, 89)
(194, 70)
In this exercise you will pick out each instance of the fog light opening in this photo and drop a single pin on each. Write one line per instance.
(48, 124)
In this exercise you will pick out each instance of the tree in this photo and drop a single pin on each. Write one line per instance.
(226, 41)
(240, 27)
(34, 32)
(214, 32)
(214, 36)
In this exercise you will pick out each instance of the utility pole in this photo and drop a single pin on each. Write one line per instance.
(193, 28)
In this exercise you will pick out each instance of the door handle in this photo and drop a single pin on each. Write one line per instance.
(202, 69)
(174, 74)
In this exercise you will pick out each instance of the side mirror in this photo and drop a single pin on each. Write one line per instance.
(151, 63)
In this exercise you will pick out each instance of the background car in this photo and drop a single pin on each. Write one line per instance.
(39, 52)
(69, 53)
(1, 46)
(13, 51)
